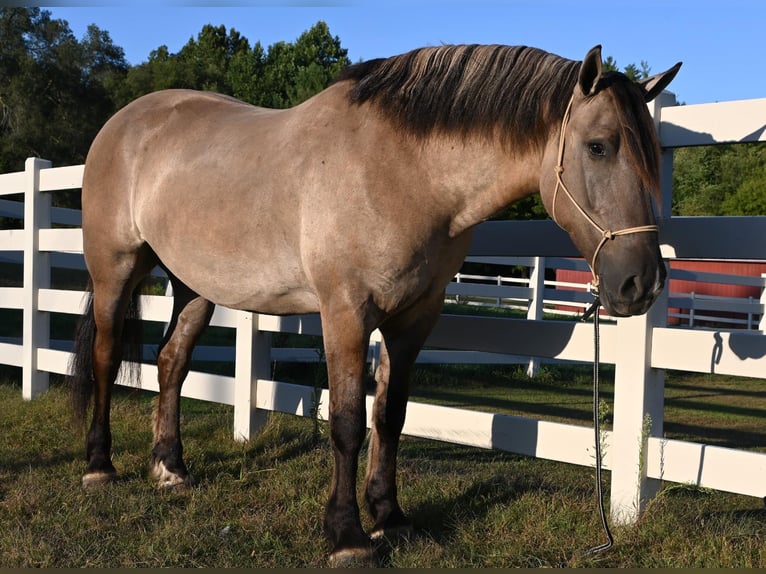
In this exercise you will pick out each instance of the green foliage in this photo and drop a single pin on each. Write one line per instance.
(58, 91)
(217, 60)
(633, 71)
(55, 90)
(720, 180)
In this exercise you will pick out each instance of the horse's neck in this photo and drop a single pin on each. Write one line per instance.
(480, 180)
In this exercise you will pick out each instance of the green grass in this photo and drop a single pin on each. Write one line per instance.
(260, 504)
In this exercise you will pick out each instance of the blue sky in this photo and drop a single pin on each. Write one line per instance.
(720, 43)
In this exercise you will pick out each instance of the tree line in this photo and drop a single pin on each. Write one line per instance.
(57, 91)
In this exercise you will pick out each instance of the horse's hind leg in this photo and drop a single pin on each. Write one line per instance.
(191, 314)
(115, 278)
(403, 338)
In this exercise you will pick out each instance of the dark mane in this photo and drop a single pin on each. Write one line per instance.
(514, 91)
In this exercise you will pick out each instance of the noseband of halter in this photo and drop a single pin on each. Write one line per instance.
(606, 234)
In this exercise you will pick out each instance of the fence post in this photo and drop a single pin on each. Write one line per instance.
(639, 389)
(638, 412)
(691, 309)
(535, 309)
(762, 322)
(253, 362)
(665, 99)
(37, 275)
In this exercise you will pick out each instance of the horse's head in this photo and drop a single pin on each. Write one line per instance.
(599, 173)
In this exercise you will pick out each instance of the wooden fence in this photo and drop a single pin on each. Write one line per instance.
(639, 347)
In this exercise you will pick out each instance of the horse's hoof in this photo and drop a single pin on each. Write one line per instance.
(98, 478)
(168, 480)
(358, 557)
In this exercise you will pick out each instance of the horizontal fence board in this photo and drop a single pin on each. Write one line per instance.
(726, 304)
(567, 296)
(549, 440)
(59, 178)
(309, 324)
(524, 238)
(680, 237)
(729, 279)
(741, 353)
(61, 301)
(13, 183)
(12, 297)
(202, 386)
(441, 357)
(521, 435)
(11, 354)
(714, 238)
(551, 339)
(11, 240)
(729, 470)
(66, 240)
(706, 124)
(484, 290)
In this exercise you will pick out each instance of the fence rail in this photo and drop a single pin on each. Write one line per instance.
(639, 347)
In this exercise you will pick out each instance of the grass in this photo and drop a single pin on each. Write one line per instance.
(260, 504)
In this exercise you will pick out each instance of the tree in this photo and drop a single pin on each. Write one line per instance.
(217, 60)
(750, 197)
(55, 93)
(720, 180)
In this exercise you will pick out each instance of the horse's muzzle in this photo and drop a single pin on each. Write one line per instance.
(634, 295)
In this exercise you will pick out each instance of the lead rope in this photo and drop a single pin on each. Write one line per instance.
(594, 310)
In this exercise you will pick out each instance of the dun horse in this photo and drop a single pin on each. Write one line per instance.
(357, 204)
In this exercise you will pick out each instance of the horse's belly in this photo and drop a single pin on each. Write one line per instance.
(273, 287)
(294, 301)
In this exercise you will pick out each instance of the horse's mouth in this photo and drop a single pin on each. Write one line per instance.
(617, 307)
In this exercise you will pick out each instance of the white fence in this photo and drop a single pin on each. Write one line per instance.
(639, 347)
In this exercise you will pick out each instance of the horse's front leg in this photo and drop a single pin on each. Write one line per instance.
(191, 314)
(403, 338)
(346, 339)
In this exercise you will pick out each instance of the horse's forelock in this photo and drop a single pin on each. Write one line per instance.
(638, 133)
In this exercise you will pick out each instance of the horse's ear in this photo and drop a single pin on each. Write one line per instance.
(590, 71)
(654, 85)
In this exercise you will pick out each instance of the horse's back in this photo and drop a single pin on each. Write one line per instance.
(272, 210)
(178, 170)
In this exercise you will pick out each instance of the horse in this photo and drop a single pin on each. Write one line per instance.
(357, 204)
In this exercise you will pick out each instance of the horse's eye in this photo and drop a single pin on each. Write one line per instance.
(596, 148)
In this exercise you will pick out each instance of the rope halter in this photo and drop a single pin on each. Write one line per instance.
(606, 234)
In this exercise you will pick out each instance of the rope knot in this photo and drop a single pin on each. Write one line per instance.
(559, 169)
(608, 234)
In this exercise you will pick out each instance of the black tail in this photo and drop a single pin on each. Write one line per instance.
(80, 378)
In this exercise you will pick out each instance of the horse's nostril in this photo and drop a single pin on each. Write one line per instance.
(632, 289)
